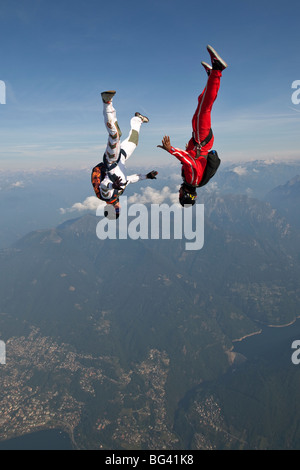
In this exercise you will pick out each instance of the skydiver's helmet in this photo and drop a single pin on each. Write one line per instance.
(112, 211)
(187, 197)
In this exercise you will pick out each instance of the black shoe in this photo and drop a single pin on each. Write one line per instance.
(217, 62)
(207, 67)
(143, 118)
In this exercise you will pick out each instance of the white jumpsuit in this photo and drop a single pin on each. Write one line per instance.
(114, 146)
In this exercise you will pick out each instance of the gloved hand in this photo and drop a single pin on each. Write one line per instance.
(118, 183)
(152, 175)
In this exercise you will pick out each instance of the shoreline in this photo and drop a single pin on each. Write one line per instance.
(59, 426)
(247, 336)
(283, 326)
(266, 326)
(39, 429)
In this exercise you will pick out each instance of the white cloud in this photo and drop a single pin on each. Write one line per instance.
(239, 170)
(148, 195)
(89, 204)
(153, 196)
(18, 184)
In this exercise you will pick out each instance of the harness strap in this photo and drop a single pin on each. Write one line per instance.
(108, 167)
(203, 143)
(199, 147)
(100, 171)
(113, 177)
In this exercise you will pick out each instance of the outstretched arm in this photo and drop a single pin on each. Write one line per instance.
(135, 178)
(181, 155)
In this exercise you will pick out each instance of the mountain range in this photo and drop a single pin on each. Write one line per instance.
(32, 200)
(107, 338)
(286, 199)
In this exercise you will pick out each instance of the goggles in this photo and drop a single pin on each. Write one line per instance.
(187, 196)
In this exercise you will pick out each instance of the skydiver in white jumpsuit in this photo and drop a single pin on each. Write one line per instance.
(115, 179)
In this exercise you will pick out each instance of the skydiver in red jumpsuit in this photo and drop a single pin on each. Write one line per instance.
(194, 157)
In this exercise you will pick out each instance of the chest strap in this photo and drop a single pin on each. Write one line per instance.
(112, 176)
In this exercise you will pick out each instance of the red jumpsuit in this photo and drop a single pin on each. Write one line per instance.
(193, 167)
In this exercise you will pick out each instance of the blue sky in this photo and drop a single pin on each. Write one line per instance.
(56, 58)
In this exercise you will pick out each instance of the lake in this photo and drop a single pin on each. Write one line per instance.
(271, 341)
(51, 439)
